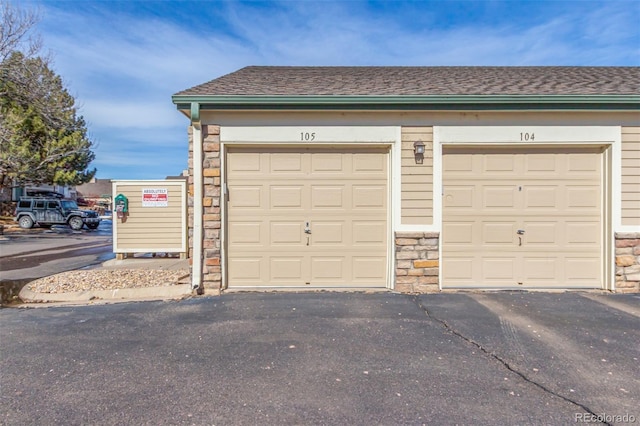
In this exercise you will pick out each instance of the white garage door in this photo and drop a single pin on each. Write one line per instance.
(528, 218)
(308, 217)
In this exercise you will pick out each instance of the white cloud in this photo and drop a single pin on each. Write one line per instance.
(350, 34)
(152, 54)
(123, 65)
(129, 113)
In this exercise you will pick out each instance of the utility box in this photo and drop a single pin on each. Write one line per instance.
(154, 219)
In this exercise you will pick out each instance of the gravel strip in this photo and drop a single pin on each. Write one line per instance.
(73, 281)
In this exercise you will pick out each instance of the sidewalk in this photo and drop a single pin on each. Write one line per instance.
(168, 278)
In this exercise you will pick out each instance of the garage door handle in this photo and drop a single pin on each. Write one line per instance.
(520, 232)
(307, 230)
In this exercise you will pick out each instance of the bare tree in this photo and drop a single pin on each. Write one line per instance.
(17, 34)
(16, 31)
(42, 139)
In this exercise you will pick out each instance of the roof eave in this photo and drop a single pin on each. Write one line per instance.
(412, 102)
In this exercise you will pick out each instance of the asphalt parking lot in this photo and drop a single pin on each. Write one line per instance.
(326, 358)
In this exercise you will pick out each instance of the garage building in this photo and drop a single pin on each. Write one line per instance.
(415, 179)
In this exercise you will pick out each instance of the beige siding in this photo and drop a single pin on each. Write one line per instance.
(417, 179)
(150, 228)
(631, 176)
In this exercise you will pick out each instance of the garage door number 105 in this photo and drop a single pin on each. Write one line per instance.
(525, 137)
(307, 137)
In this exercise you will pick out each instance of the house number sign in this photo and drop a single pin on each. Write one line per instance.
(307, 136)
(309, 133)
(525, 136)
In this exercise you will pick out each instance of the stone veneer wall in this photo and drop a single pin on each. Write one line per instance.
(627, 262)
(211, 269)
(417, 262)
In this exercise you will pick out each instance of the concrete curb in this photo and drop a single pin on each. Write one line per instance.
(177, 291)
(146, 263)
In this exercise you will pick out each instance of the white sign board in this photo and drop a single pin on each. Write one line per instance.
(155, 197)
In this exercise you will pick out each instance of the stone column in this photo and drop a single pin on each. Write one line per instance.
(212, 272)
(627, 262)
(417, 262)
(211, 268)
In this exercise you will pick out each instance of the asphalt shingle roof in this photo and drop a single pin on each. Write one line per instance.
(421, 81)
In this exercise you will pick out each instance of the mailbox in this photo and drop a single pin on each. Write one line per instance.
(121, 205)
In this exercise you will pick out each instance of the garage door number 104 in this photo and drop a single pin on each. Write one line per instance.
(525, 137)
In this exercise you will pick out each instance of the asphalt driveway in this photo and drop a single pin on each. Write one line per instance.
(326, 358)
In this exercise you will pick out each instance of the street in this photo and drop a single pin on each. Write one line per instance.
(509, 358)
(25, 256)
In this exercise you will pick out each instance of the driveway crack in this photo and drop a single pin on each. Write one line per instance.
(500, 360)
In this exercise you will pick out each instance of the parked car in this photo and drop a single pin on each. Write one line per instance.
(47, 211)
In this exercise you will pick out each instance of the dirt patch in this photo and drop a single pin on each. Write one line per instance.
(9, 291)
(74, 281)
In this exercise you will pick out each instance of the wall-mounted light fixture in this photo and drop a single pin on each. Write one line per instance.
(418, 151)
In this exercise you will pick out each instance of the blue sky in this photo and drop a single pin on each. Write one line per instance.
(122, 60)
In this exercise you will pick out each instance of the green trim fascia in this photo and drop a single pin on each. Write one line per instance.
(458, 102)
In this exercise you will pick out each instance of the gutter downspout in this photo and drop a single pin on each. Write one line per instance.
(196, 274)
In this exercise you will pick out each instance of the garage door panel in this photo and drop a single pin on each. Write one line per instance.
(327, 196)
(286, 233)
(328, 163)
(328, 233)
(458, 163)
(540, 233)
(553, 196)
(369, 233)
(286, 196)
(247, 196)
(458, 233)
(499, 269)
(541, 197)
(579, 197)
(246, 233)
(325, 268)
(583, 162)
(285, 163)
(498, 196)
(369, 163)
(251, 162)
(540, 270)
(459, 269)
(498, 163)
(371, 269)
(459, 196)
(286, 269)
(369, 196)
(498, 234)
(246, 269)
(583, 233)
(583, 271)
(541, 163)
